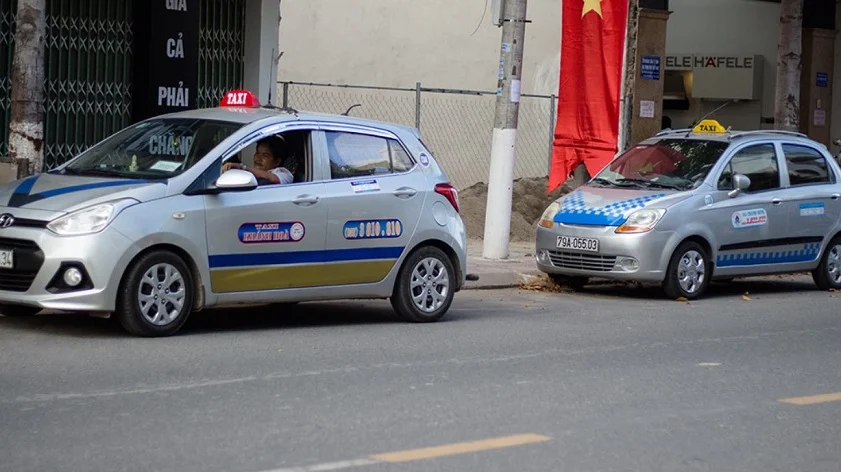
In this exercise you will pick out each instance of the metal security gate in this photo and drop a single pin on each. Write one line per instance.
(7, 32)
(89, 71)
(89, 62)
(221, 49)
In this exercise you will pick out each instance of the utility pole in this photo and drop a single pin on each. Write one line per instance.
(26, 126)
(503, 149)
(626, 108)
(789, 56)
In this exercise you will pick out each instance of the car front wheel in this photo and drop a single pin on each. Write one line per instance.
(828, 274)
(156, 296)
(425, 286)
(689, 272)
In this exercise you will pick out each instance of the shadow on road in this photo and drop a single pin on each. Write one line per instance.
(777, 286)
(255, 318)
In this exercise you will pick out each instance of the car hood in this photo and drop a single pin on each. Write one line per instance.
(63, 193)
(611, 206)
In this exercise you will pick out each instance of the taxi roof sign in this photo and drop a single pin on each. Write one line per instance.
(240, 99)
(709, 126)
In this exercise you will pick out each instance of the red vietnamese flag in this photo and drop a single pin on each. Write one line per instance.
(592, 48)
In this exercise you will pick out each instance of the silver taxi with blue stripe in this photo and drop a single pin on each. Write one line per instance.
(687, 207)
(240, 204)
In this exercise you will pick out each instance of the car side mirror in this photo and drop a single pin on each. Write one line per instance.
(740, 183)
(236, 180)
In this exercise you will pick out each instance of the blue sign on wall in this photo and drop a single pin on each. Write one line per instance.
(822, 79)
(650, 67)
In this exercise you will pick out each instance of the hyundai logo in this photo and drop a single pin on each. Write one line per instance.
(6, 220)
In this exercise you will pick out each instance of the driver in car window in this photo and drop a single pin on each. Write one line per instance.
(271, 153)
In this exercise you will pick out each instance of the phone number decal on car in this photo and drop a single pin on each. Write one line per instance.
(372, 229)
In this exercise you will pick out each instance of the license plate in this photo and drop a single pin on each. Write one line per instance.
(7, 259)
(579, 244)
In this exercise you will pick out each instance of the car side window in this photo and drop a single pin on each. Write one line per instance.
(400, 160)
(805, 165)
(758, 163)
(360, 155)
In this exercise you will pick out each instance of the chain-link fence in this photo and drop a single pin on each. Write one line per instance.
(457, 125)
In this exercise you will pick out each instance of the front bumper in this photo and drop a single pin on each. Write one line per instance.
(639, 257)
(40, 257)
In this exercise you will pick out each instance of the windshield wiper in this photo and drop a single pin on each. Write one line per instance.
(651, 183)
(603, 181)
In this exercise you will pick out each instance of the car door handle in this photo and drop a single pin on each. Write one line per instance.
(776, 201)
(305, 200)
(405, 192)
(835, 196)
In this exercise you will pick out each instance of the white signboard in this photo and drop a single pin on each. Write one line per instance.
(646, 109)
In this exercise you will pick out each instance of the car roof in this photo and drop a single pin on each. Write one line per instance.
(246, 116)
(735, 136)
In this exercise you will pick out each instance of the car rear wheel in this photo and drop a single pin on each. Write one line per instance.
(572, 282)
(425, 286)
(156, 296)
(18, 311)
(689, 272)
(828, 274)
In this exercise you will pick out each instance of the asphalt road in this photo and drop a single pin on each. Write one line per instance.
(612, 379)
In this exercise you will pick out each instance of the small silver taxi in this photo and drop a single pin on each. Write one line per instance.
(686, 207)
(147, 225)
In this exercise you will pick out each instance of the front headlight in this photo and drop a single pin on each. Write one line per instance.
(89, 220)
(547, 220)
(642, 221)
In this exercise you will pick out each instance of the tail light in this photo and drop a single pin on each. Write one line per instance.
(450, 193)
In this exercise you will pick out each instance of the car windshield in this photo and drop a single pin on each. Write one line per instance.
(678, 164)
(153, 149)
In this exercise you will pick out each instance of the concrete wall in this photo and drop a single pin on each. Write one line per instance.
(400, 42)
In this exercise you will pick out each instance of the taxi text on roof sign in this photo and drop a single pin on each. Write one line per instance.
(709, 126)
(240, 98)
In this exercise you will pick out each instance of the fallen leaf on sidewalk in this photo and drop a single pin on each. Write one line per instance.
(682, 299)
(745, 297)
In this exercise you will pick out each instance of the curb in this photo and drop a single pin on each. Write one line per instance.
(500, 280)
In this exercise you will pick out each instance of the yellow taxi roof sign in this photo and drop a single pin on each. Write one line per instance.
(709, 126)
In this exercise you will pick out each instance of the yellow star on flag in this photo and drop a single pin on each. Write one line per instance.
(592, 5)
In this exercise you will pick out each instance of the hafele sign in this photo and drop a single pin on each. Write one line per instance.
(721, 76)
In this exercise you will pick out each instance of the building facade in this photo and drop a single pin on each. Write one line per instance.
(110, 63)
(717, 52)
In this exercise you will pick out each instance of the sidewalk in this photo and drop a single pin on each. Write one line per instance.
(520, 267)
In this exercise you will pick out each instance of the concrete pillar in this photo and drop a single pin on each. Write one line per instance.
(261, 33)
(649, 78)
(816, 83)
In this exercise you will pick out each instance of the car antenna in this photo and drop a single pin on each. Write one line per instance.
(695, 123)
(351, 108)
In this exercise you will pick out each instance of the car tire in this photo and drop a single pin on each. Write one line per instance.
(689, 272)
(156, 276)
(18, 311)
(828, 273)
(428, 269)
(569, 281)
